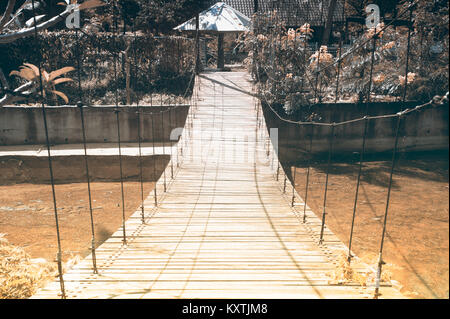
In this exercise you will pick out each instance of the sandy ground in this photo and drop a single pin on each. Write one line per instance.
(27, 215)
(417, 242)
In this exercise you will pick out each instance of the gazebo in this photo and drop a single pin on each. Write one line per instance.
(218, 19)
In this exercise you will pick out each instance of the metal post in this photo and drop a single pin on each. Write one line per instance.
(326, 184)
(361, 159)
(380, 255)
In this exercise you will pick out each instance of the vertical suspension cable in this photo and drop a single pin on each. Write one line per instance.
(171, 142)
(124, 238)
(141, 179)
(154, 158)
(383, 234)
(358, 181)
(372, 60)
(117, 111)
(305, 46)
(94, 259)
(164, 148)
(308, 172)
(317, 97)
(324, 213)
(139, 117)
(49, 156)
(178, 141)
(80, 105)
(408, 51)
(340, 55)
(293, 187)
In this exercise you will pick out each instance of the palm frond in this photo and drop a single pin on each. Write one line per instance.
(53, 75)
(91, 4)
(33, 67)
(61, 95)
(61, 80)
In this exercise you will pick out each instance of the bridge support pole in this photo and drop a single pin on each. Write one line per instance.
(83, 130)
(383, 234)
(308, 173)
(324, 212)
(124, 238)
(358, 181)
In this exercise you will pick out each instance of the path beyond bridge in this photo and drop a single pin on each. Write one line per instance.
(224, 227)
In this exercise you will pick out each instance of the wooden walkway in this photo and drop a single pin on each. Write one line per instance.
(224, 228)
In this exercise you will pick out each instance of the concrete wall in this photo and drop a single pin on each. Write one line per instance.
(425, 130)
(71, 169)
(24, 125)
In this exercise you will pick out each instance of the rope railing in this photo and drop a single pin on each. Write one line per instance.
(435, 101)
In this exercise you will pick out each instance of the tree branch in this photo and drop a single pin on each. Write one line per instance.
(11, 37)
(17, 94)
(7, 13)
(3, 80)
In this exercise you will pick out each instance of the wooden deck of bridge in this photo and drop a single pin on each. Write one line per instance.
(224, 228)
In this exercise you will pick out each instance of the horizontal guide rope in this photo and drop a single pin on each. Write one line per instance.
(405, 112)
(402, 113)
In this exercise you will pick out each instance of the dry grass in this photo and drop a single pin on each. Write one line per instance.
(20, 275)
(360, 271)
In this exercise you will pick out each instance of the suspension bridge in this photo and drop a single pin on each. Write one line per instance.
(221, 222)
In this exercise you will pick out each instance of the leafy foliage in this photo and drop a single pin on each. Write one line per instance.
(31, 74)
(287, 67)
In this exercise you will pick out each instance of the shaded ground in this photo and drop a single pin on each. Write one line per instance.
(27, 216)
(417, 242)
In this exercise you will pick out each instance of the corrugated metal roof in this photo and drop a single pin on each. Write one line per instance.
(219, 17)
(292, 12)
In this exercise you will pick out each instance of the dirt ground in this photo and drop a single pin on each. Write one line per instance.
(417, 241)
(27, 215)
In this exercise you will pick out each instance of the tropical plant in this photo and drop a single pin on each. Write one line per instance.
(33, 77)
